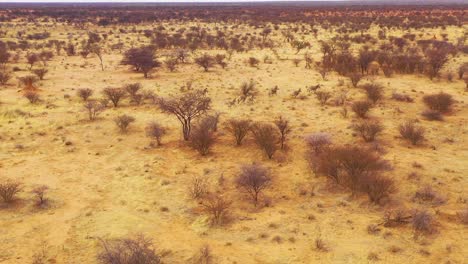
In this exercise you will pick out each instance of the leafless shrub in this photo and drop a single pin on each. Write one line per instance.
(378, 187)
(410, 131)
(40, 73)
(441, 102)
(205, 61)
(239, 128)
(427, 194)
(318, 141)
(296, 62)
(32, 96)
(248, 91)
(94, 108)
(128, 251)
(198, 187)
(132, 89)
(265, 136)
(123, 121)
(8, 190)
(284, 128)
(84, 93)
(202, 137)
(217, 207)
(40, 192)
(28, 82)
(114, 95)
(253, 179)
(374, 91)
(171, 64)
(186, 108)
(323, 96)
(368, 130)
(360, 108)
(423, 223)
(5, 75)
(155, 131)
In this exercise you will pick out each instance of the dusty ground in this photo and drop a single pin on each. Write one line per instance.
(104, 184)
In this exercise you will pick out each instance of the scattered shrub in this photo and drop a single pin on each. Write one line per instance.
(32, 96)
(123, 121)
(441, 102)
(114, 95)
(378, 187)
(205, 61)
(423, 223)
(202, 137)
(323, 97)
(318, 141)
(253, 179)
(40, 192)
(248, 91)
(265, 136)
(284, 128)
(239, 128)
(198, 187)
(368, 130)
(402, 97)
(8, 190)
(128, 251)
(374, 91)
(84, 93)
(410, 131)
(217, 207)
(94, 108)
(361, 108)
(155, 131)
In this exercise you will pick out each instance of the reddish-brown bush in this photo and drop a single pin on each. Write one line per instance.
(217, 207)
(8, 190)
(32, 96)
(253, 179)
(94, 108)
(205, 61)
(410, 131)
(202, 137)
(84, 93)
(432, 115)
(155, 131)
(266, 137)
(128, 251)
(368, 130)
(114, 95)
(441, 102)
(40, 73)
(284, 129)
(361, 108)
(123, 121)
(374, 91)
(239, 128)
(355, 78)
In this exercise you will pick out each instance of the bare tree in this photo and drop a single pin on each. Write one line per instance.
(253, 179)
(186, 108)
(123, 121)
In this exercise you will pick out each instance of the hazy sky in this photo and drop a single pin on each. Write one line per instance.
(128, 1)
